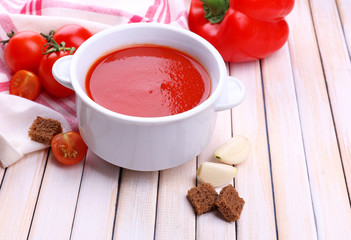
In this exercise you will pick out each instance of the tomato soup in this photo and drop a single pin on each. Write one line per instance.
(148, 81)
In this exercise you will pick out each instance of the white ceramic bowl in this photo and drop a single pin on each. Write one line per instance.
(148, 143)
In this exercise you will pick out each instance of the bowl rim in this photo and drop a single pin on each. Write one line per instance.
(148, 120)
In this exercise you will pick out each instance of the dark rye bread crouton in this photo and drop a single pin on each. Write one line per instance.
(202, 198)
(229, 203)
(44, 129)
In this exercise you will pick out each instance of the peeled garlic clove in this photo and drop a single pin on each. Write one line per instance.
(235, 151)
(217, 174)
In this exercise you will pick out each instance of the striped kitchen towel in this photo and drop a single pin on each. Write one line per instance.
(45, 15)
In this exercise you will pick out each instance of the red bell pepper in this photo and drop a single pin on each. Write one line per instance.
(241, 30)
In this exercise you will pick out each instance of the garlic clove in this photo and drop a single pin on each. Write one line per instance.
(217, 174)
(235, 151)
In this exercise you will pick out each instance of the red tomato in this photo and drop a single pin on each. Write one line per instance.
(23, 51)
(69, 148)
(47, 79)
(25, 84)
(72, 34)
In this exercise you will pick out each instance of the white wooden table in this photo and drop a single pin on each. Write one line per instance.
(296, 181)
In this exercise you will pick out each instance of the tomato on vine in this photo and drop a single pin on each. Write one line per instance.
(53, 52)
(23, 51)
(72, 34)
(36, 53)
(62, 42)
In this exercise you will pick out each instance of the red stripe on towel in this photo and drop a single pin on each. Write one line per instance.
(4, 86)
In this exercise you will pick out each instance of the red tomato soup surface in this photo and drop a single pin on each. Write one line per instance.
(148, 81)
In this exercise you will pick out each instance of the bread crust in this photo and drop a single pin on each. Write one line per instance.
(44, 129)
(230, 204)
(202, 198)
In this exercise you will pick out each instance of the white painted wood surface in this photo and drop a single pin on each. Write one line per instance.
(296, 181)
(286, 149)
(171, 201)
(337, 70)
(320, 143)
(253, 181)
(18, 195)
(344, 7)
(55, 208)
(136, 209)
(97, 200)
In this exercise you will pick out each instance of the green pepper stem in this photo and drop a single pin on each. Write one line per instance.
(216, 7)
(215, 10)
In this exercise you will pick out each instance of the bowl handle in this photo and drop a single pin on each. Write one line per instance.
(232, 95)
(61, 71)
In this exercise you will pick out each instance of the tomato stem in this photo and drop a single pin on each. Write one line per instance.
(48, 37)
(10, 35)
(53, 46)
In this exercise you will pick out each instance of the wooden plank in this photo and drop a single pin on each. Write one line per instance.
(19, 193)
(337, 70)
(253, 181)
(289, 171)
(175, 216)
(327, 182)
(57, 200)
(96, 206)
(344, 8)
(136, 210)
(328, 188)
(211, 225)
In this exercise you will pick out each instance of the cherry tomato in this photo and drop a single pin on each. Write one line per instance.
(69, 148)
(72, 34)
(25, 84)
(23, 51)
(47, 79)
